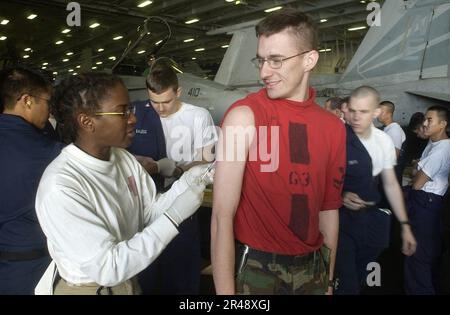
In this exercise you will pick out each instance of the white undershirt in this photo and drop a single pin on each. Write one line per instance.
(396, 133)
(435, 163)
(186, 131)
(381, 150)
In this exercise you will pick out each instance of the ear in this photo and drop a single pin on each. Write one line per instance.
(376, 112)
(25, 100)
(310, 60)
(179, 90)
(86, 123)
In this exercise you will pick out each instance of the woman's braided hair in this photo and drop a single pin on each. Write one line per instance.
(80, 94)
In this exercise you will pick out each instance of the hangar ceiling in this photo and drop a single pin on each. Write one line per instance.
(48, 42)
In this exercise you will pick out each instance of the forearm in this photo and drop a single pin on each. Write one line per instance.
(223, 255)
(192, 164)
(126, 259)
(148, 164)
(395, 198)
(329, 227)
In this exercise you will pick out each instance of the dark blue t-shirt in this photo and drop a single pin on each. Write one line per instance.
(24, 154)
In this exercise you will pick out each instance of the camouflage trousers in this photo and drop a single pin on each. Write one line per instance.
(260, 272)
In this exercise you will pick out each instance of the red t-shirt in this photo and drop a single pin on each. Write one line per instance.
(279, 211)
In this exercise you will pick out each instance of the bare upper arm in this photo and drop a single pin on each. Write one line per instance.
(231, 160)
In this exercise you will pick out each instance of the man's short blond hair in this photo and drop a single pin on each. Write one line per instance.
(365, 91)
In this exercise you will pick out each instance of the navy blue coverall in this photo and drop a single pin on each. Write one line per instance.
(24, 154)
(363, 234)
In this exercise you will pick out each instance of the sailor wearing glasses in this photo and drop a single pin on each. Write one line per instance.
(280, 217)
(98, 207)
(24, 154)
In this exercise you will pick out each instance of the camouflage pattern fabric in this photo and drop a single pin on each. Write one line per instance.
(265, 273)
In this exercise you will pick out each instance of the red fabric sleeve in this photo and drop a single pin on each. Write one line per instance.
(336, 171)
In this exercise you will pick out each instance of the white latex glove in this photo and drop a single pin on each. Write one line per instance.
(166, 167)
(199, 175)
(185, 204)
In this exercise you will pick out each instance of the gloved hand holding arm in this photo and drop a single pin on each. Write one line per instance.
(185, 204)
(199, 174)
(191, 178)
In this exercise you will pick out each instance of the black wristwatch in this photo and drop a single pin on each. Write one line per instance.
(333, 283)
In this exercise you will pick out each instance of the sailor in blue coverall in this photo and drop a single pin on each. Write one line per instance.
(25, 152)
(363, 234)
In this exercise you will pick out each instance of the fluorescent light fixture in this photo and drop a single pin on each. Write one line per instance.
(158, 42)
(99, 63)
(55, 73)
(176, 69)
(26, 56)
(192, 21)
(118, 37)
(323, 20)
(94, 25)
(74, 73)
(70, 70)
(59, 42)
(144, 4)
(357, 28)
(273, 9)
(78, 67)
(112, 58)
(188, 40)
(43, 68)
(65, 60)
(65, 31)
(3, 37)
(229, 0)
(93, 68)
(225, 46)
(27, 49)
(362, 1)
(200, 49)
(325, 50)
(45, 64)
(193, 58)
(141, 52)
(100, 50)
(4, 22)
(32, 16)
(69, 53)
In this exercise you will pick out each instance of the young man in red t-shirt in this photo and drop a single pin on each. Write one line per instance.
(278, 195)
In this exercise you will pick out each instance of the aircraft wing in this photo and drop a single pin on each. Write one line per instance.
(437, 96)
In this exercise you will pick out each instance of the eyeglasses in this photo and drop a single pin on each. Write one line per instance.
(273, 62)
(126, 112)
(48, 100)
